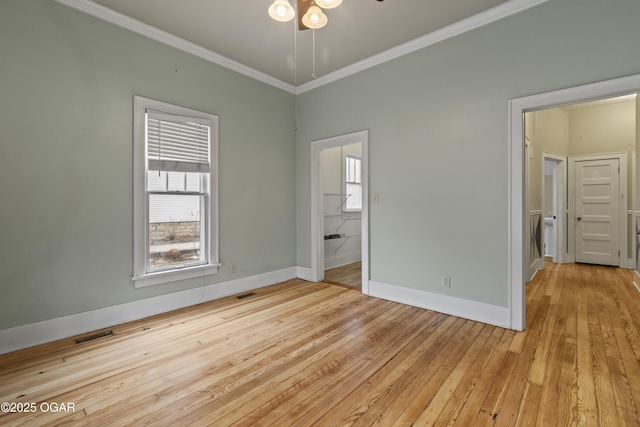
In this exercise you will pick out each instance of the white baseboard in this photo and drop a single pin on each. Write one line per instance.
(467, 309)
(63, 327)
(636, 279)
(627, 263)
(536, 266)
(304, 273)
(340, 260)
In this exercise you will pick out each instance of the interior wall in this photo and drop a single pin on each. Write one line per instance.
(438, 147)
(604, 129)
(67, 86)
(549, 133)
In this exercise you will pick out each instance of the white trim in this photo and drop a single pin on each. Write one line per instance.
(629, 262)
(632, 233)
(113, 17)
(304, 273)
(502, 11)
(560, 187)
(466, 309)
(141, 276)
(317, 219)
(517, 108)
(168, 276)
(494, 14)
(342, 259)
(636, 280)
(63, 327)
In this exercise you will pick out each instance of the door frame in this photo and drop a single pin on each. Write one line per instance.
(623, 235)
(516, 191)
(560, 187)
(317, 203)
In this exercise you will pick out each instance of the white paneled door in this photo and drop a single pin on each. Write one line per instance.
(597, 211)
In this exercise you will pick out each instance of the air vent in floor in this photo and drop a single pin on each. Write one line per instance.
(250, 294)
(93, 337)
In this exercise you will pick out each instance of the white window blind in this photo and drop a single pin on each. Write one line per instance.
(176, 143)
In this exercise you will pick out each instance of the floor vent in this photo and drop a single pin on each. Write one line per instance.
(250, 294)
(93, 337)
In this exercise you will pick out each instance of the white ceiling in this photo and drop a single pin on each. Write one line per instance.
(242, 31)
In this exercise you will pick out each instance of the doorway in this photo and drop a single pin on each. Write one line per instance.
(518, 240)
(341, 190)
(554, 209)
(336, 222)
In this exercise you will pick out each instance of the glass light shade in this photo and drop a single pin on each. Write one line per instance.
(281, 11)
(314, 18)
(328, 4)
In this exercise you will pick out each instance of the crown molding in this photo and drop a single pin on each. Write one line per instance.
(494, 14)
(113, 17)
(502, 11)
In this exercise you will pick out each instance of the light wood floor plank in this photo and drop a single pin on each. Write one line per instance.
(315, 354)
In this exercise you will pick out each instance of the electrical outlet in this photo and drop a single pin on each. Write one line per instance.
(233, 267)
(446, 282)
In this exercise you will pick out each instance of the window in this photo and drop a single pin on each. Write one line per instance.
(175, 193)
(353, 181)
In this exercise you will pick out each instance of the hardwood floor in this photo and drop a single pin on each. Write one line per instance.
(300, 353)
(349, 275)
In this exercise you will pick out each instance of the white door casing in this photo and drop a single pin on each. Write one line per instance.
(317, 219)
(560, 208)
(597, 211)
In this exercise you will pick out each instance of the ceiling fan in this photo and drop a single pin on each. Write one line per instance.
(310, 14)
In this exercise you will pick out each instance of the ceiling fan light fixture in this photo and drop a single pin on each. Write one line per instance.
(328, 4)
(314, 18)
(282, 11)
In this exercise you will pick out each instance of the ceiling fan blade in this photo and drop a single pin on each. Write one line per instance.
(303, 6)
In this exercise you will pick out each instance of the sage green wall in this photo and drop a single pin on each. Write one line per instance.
(438, 137)
(67, 82)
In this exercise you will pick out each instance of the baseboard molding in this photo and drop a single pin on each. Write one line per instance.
(536, 266)
(467, 309)
(338, 261)
(636, 280)
(304, 273)
(627, 264)
(63, 327)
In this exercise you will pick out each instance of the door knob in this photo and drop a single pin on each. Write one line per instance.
(579, 218)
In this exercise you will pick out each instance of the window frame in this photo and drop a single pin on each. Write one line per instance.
(141, 276)
(345, 182)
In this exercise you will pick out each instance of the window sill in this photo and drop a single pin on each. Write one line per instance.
(161, 277)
